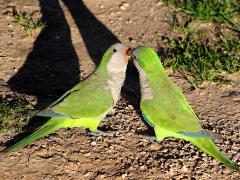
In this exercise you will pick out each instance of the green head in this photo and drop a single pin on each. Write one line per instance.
(116, 58)
(146, 59)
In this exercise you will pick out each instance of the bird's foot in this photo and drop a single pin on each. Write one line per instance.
(152, 139)
(102, 133)
(104, 120)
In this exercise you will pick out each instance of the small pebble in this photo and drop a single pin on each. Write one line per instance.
(155, 147)
(124, 6)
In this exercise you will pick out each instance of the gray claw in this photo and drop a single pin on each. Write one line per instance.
(102, 133)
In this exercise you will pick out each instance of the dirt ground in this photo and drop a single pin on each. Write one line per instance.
(44, 66)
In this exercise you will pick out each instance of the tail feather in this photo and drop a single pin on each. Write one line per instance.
(207, 146)
(41, 132)
(201, 134)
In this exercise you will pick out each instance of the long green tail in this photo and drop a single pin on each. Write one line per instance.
(44, 130)
(207, 146)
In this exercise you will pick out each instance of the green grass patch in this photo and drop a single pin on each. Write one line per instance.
(217, 11)
(28, 23)
(203, 61)
(13, 113)
(232, 47)
(180, 24)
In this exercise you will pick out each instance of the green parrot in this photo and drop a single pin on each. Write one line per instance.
(88, 102)
(165, 108)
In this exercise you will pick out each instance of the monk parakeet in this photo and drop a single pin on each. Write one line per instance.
(88, 102)
(165, 108)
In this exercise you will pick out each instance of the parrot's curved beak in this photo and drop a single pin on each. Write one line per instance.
(128, 52)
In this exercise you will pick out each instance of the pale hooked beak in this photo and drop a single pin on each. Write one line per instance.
(128, 52)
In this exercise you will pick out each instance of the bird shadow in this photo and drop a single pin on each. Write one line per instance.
(52, 67)
(96, 36)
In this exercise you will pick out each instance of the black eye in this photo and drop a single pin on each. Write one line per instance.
(114, 50)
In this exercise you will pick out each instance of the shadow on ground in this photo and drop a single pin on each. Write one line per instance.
(52, 67)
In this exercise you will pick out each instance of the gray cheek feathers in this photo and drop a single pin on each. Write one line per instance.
(146, 91)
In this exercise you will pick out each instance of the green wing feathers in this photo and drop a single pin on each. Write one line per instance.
(91, 98)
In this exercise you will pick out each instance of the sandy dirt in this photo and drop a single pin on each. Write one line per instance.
(44, 66)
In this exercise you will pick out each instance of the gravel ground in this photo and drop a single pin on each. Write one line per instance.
(42, 67)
